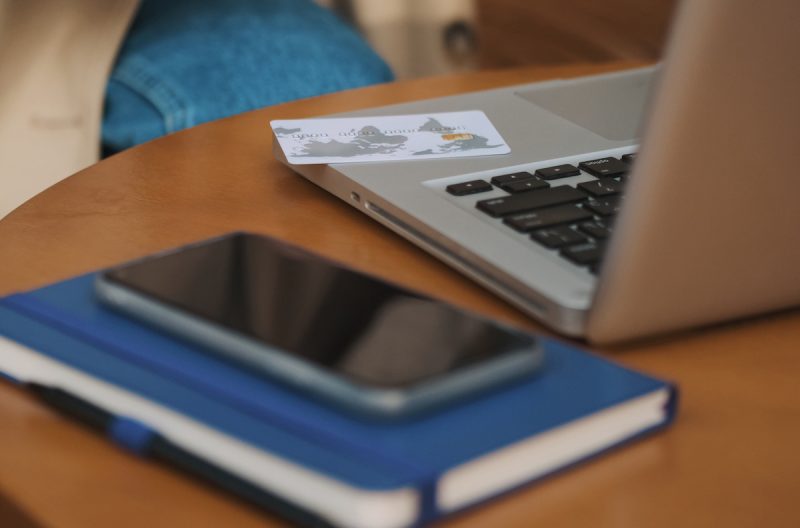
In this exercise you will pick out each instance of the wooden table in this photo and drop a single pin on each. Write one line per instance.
(732, 457)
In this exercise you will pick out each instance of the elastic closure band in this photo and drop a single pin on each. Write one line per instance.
(131, 434)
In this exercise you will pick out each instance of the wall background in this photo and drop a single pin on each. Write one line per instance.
(423, 37)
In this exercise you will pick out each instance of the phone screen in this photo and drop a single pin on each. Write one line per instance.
(362, 328)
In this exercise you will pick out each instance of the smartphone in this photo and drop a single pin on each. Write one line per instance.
(348, 338)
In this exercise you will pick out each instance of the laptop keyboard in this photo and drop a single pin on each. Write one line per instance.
(576, 221)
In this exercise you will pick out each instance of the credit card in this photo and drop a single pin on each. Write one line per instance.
(388, 138)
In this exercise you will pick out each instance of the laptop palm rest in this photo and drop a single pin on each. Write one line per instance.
(611, 107)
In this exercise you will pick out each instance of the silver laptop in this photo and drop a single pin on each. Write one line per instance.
(656, 199)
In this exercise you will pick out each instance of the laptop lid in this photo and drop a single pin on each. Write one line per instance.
(710, 230)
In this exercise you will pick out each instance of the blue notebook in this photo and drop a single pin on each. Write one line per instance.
(159, 396)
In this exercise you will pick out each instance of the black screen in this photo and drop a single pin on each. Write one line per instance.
(369, 331)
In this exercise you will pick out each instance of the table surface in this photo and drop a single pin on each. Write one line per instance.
(731, 458)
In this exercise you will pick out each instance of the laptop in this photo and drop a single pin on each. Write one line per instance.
(633, 203)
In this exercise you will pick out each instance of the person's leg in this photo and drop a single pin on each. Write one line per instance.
(185, 62)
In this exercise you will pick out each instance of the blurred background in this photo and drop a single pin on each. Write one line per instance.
(422, 37)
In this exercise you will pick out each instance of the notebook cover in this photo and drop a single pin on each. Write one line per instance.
(65, 322)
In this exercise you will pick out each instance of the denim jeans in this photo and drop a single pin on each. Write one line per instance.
(185, 62)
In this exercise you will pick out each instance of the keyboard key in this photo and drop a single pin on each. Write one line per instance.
(629, 158)
(525, 185)
(605, 206)
(527, 201)
(564, 214)
(584, 254)
(508, 178)
(597, 229)
(557, 237)
(605, 167)
(603, 187)
(470, 187)
(559, 171)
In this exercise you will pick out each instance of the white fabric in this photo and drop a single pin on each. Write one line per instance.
(55, 57)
